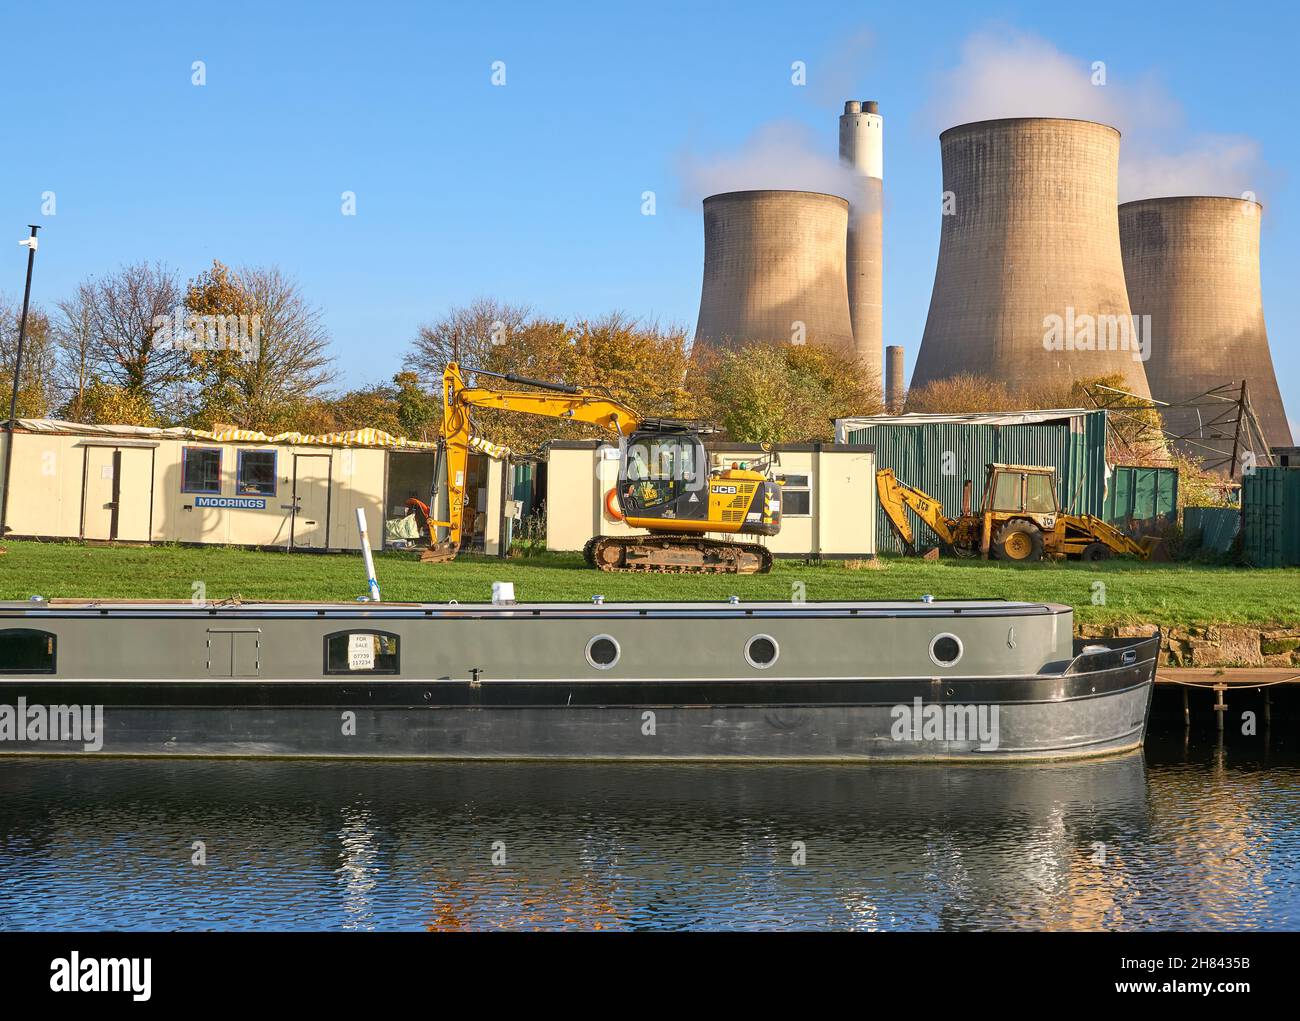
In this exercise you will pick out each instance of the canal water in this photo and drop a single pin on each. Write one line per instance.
(1188, 835)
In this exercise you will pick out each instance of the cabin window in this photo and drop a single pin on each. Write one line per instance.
(256, 473)
(602, 652)
(945, 650)
(26, 651)
(761, 651)
(1039, 498)
(201, 470)
(361, 652)
(659, 469)
(1006, 491)
(796, 496)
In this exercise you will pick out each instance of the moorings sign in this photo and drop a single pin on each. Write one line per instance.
(249, 502)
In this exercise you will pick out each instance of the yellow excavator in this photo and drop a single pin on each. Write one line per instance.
(1019, 521)
(665, 483)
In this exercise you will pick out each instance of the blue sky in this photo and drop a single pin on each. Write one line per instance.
(532, 191)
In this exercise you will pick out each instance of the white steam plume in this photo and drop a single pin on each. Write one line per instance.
(1015, 74)
(780, 154)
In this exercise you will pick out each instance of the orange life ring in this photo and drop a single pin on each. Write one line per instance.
(611, 505)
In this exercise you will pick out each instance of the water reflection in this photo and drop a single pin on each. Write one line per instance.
(1115, 843)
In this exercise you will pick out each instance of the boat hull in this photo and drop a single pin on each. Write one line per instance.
(530, 700)
(1087, 714)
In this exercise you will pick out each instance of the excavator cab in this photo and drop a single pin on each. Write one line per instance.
(662, 475)
(1020, 489)
(667, 485)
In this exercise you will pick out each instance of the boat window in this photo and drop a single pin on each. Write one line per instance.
(1039, 498)
(201, 470)
(361, 652)
(26, 651)
(761, 651)
(945, 650)
(256, 473)
(602, 652)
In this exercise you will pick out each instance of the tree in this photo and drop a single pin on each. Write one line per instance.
(36, 388)
(418, 412)
(110, 404)
(74, 340)
(273, 360)
(466, 335)
(962, 394)
(768, 392)
(636, 362)
(133, 313)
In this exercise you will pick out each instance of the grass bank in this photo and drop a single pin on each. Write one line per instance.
(1115, 592)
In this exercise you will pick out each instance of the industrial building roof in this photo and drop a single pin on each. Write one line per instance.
(349, 438)
(843, 426)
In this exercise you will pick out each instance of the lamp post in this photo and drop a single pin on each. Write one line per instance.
(31, 245)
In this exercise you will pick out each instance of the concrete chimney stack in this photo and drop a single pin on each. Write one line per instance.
(895, 388)
(862, 149)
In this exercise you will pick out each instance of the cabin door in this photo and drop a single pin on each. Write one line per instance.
(117, 498)
(311, 501)
(234, 653)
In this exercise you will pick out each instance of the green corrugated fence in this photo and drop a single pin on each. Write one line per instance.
(1141, 501)
(1270, 517)
(1210, 528)
(938, 457)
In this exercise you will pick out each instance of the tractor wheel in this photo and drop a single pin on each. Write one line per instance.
(1096, 551)
(1018, 541)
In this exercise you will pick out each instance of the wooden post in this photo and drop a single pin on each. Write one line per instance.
(1187, 709)
(1268, 707)
(1220, 707)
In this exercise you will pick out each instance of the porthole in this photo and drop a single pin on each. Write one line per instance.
(761, 651)
(945, 650)
(602, 652)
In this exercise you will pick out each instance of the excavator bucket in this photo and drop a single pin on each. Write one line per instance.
(439, 553)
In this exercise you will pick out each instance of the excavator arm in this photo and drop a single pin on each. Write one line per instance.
(1085, 527)
(895, 499)
(556, 401)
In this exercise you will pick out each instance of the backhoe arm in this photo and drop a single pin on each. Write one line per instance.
(896, 497)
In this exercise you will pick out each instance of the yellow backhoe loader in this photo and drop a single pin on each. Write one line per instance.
(1019, 521)
(665, 484)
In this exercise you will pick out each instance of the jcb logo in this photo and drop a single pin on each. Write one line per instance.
(725, 490)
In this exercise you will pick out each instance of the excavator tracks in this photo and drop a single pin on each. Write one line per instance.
(676, 554)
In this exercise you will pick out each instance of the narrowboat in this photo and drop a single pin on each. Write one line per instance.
(833, 681)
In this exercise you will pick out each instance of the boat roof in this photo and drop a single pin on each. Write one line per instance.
(726, 608)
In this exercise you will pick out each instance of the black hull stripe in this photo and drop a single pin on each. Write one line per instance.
(561, 694)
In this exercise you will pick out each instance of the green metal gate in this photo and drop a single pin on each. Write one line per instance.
(1141, 501)
(1270, 517)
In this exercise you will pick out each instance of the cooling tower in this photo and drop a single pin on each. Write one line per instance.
(1030, 282)
(774, 269)
(861, 149)
(1192, 264)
